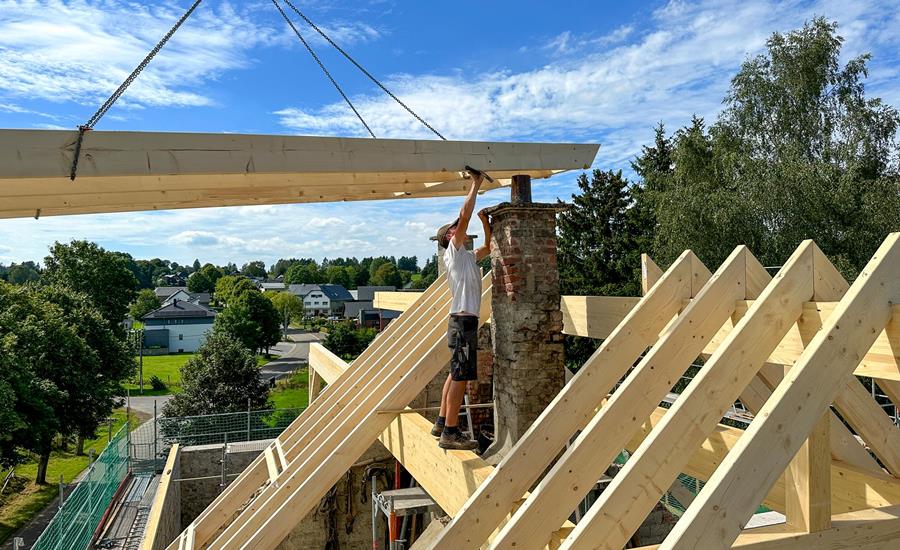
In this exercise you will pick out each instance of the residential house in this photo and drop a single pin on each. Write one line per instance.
(167, 294)
(179, 325)
(272, 286)
(322, 299)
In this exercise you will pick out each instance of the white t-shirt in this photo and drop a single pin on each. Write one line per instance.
(464, 277)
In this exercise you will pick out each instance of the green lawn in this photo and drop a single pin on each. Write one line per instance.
(23, 499)
(168, 369)
(291, 392)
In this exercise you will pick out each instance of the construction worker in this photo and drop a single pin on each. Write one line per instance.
(464, 277)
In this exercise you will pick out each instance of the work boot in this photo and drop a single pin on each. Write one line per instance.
(457, 441)
(437, 429)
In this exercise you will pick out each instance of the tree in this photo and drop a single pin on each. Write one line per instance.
(222, 377)
(387, 275)
(100, 275)
(288, 305)
(19, 274)
(199, 282)
(196, 265)
(94, 395)
(337, 275)
(251, 319)
(68, 364)
(408, 263)
(347, 341)
(599, 243)
(254, 269)
(376, 264)
(304, 273)
(230, 287)
(798, 152)
(430, 271)
(146, 301)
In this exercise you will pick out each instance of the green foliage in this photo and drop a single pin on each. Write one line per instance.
(408, 263)
(251, 319)
(220, 378)
(304, 273)
(337, 275)
(19, 274)
(230, 287)
(100, 275)
(67, 366)
(798, 153)
(157, 384)
(254, 269)
(600, 239)
(289, 307)
(386, 275)
(204, 279)
(146, 301)
(347, 341)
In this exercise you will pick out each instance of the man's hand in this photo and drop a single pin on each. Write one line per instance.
(477, 178)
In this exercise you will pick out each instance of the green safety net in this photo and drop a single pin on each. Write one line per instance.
(74, 525)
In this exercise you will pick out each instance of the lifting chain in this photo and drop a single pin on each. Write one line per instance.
(89, 125)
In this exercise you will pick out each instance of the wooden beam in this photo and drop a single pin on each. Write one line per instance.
(121, 171)
(396, 301)
(650, 273)
(583, 463)
(571, 408)
(871, 529)
(852, 488)
(267, 520)
(340, 392)
(594, 316)
(631, 495)
(166, 492)
(716, 517)
(808, 482)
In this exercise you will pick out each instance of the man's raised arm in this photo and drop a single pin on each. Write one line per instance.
(465, 213)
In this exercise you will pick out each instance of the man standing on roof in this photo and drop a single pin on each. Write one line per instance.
(464, 277)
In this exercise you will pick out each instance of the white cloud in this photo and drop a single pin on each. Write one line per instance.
(679, 65)
(318, 223)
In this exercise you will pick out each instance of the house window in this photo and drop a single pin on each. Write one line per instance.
(181, 336)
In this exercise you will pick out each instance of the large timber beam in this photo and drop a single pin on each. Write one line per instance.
(132, 171)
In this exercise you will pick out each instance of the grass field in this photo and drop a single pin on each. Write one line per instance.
(168, 369)
(291, 392)
(23, 499)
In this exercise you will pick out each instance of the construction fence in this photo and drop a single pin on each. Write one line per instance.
(75, 523)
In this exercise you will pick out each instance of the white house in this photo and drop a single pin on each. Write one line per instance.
(322, 299)
(180, 325)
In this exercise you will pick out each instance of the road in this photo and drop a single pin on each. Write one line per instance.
(293, 354)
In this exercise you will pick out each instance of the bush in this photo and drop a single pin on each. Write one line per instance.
(347, 341)
(157, 384)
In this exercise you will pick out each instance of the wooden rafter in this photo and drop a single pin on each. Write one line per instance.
(632, 494)
(572, 407)
(575, 473)
(715, 518)
(131, 171)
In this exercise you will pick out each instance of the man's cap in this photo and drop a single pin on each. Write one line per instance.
(442, 233)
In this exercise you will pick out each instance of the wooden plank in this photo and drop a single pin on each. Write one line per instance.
(872, 529)
(315, 382)
(396, 301)
(271, 466)
(796, 405)
(154, 539)
(852, 488)
(808, 482)
(845, 447)
(604, 437)
(571, 408)
(650, 273)
(151, 170)
(269, 518)
(594, 316)
(631, 495)
(341, 391)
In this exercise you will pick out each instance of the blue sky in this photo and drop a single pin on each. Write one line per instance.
(582, 71)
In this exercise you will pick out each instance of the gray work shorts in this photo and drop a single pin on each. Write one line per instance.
(462, 338)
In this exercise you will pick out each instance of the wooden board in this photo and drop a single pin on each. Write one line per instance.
(715, 519)
(131, 171)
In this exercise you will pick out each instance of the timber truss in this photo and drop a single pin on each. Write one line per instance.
(819, 448)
